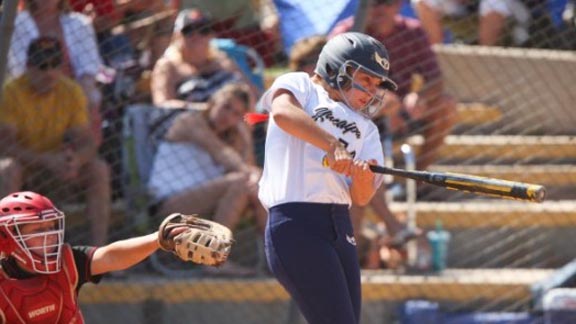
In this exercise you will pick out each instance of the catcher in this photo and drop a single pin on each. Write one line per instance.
(40, 275)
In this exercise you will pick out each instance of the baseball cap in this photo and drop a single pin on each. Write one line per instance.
(191, 20)
(44, 53)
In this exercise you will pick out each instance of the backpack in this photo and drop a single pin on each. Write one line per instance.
(248, 60)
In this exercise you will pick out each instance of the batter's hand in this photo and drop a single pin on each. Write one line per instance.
(360, 171)
(338, 159)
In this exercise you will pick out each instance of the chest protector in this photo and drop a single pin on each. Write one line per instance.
(47, 299)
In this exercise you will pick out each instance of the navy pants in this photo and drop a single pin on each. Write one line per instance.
(312, 252)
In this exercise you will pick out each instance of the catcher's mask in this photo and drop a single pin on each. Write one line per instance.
(349, 53)
(24, 208)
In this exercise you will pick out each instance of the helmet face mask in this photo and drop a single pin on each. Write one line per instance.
(347, 77)
(32, 231)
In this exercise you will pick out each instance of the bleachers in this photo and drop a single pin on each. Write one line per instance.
(504, 147)
(454, 285)
(263, 300)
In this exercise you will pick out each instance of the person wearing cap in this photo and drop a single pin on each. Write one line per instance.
(419, 106)
(81, 59)
(191, 69)
(47, 142)
(490, 22)
(254, 23)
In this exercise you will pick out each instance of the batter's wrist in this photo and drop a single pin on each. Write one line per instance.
(334, 144)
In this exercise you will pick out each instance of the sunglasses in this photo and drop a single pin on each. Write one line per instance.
(46, 65)
(191, 30)
(384, 2)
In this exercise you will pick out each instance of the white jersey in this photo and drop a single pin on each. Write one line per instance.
(180, 166)
(293, 170)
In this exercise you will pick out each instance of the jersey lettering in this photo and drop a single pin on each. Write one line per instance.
(325, 114)
(353, 153)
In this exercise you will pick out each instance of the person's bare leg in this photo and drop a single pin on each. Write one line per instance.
(260, 213)
(96, 179)
(398, 231)
(380, 207)
(491, 28)
(233, 203)
(223, 200)
(11, 176)
(438, 124)
(432, 22)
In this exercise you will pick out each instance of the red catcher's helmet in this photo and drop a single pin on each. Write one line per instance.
(40, 248)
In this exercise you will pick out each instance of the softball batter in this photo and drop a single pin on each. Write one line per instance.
(309, 238)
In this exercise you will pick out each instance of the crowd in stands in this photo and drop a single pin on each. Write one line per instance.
(66, 55)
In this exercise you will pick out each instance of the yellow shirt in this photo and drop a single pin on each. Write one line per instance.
(42, 120)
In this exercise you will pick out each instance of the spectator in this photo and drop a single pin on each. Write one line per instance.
(458, 17)
(419, 105)
(191, 70)
(144, 41)
(46, 135)
(251, 23)
(155, 37)
(304, 54)
(501, 22)
(104, 13)
(205, 164)
(421, 102)
(81, 60)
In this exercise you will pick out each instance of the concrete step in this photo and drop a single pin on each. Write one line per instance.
(477, 113)
(549, 175)
(151, 299)
(490, 213)
(502, 147)
(458, 285)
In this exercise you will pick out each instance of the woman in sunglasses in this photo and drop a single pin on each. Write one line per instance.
(191, 69)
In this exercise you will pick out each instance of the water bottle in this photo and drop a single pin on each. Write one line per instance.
(439, 239)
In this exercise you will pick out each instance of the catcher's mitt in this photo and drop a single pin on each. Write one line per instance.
(195, 239)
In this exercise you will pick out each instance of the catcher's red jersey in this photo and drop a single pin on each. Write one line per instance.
(46, 299)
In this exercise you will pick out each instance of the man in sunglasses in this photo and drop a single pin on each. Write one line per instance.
(419, 106)
(46, 137)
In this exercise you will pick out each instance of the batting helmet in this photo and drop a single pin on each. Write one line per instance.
(25, 208)
(347, 53)
(354, 50)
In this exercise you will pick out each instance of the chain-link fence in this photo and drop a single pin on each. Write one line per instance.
(485, 88)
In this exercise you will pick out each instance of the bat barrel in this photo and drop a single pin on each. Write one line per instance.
(490, 186)
(475, 184)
